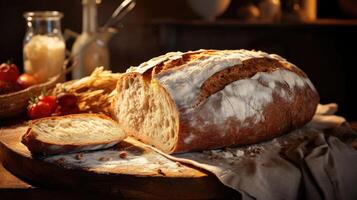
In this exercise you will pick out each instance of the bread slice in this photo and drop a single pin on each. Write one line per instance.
(72, 133)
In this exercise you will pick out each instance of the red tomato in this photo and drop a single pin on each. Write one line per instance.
(26, 80)
(39, 110)
(67, 100)
(9, 72)
(51, 100)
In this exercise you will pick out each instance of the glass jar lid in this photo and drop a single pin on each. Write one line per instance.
(43, 15)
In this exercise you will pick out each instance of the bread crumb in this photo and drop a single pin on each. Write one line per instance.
(239, 153)
(103, 159)
(60, 160)
(78, 156)
(160, 172)
(123, 154)
(216, 154)
(227, 154)
(178, 164)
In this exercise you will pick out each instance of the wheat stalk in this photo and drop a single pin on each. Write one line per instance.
(94, 92)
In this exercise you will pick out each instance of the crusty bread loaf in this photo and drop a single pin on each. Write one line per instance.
(72, 133)
(209, 98)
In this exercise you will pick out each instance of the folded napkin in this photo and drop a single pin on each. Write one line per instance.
(314, 162)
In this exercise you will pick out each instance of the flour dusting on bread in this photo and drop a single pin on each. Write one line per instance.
(210, 98)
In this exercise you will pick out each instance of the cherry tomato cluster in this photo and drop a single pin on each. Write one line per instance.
(46, 106)
(12, 81)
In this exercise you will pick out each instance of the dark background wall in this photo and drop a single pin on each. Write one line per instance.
(325, 51)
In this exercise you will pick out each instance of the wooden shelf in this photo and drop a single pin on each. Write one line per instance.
(235, 22)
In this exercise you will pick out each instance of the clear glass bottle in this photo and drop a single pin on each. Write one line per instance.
(44, 47)
(96, 54)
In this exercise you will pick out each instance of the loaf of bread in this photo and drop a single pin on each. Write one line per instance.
(72, 133)
(208, 99)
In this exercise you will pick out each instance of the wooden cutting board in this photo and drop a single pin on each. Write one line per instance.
(128, 170)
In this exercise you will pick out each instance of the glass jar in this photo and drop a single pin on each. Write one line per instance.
(44, 46)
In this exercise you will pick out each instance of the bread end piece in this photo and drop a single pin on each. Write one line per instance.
(72, 133)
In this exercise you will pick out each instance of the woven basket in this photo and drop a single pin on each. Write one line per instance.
(15, 103)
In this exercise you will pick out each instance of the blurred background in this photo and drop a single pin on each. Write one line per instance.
(319, 36)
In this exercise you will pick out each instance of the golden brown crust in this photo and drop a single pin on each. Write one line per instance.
(281, 116)
(175, 64)
(222, 78)
(248, 69)
(290, 104)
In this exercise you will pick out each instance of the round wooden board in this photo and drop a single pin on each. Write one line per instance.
(142, 174)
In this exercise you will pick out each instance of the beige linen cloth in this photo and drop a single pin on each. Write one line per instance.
(314, 162)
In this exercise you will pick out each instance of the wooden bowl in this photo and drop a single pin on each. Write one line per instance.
(16, 102)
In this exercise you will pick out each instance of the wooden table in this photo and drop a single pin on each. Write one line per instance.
(12, 187)
(127, 179)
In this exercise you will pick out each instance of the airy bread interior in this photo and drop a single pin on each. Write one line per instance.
(78, 130)
(147, 111)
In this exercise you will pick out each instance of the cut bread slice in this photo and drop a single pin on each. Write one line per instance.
(72, 133)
